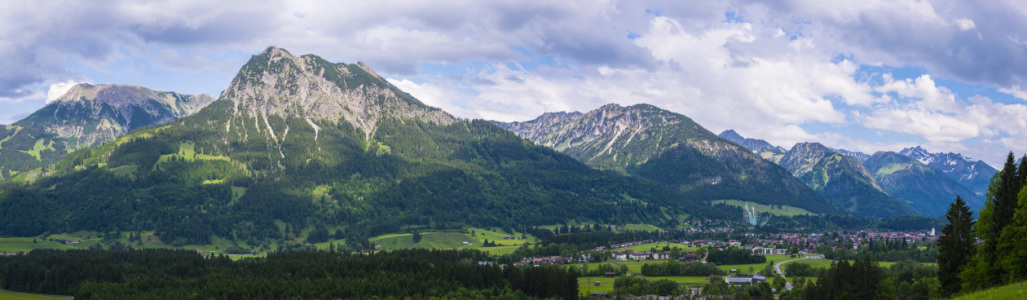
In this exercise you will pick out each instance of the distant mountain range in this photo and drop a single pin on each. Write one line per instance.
(668, 148)
(85, 116)
(925, 189)
(974, 174)
(925, 182)
(841, 179)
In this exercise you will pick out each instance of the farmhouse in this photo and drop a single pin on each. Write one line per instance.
(743, 280)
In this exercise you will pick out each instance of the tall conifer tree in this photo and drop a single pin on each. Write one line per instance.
(985, 269)
(1012, 255)
(955, 246)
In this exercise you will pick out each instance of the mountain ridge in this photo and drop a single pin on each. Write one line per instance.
(646, 141)
(842, 179)
(926, 189)
(283, 146)
(88, 115)
(973, 174)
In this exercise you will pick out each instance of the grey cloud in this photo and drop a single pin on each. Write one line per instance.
(888, 33)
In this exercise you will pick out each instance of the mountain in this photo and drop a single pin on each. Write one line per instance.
(841, 179)
(862, 157)
(297, 142)
(671, 149)
(927, 190)
(773, 154)
(973, 174)
(84, 116)
(752, 144)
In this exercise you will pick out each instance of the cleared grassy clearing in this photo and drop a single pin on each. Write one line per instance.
(777, 210)
(455, 240)
(40, 146)
(586, 285)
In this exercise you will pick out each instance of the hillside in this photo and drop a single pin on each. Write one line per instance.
(1012, 291)
(87, 115)
(842, 180)
(298, 142)
(925, 189)
(671, 149)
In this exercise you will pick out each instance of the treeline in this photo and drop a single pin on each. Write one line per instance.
(634, 285)
(178, 274)
(734, 256)
(675, 268)
(966, 265)
(864, 279)
(820, 223)
(885, 251)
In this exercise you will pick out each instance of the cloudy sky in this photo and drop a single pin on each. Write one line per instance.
(864, 75)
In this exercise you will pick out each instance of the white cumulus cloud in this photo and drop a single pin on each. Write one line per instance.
(965, 24)
(57, 90)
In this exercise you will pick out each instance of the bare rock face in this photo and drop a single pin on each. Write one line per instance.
(93, 114)
(280, 84)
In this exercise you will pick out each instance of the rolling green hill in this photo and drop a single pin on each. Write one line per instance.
(297, 142)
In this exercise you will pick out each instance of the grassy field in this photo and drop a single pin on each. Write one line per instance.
(1012, 291)
(685, 280)
(8, 295)
(826, 263)
(586, 285)
(431, 240)
(641, 227)
(454, 240)
(777, 210)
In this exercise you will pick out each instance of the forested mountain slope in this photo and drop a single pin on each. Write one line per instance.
(305, 142)
(669, 148)
(841, 179)
(925, 189)
(973, 174)
(85, 116)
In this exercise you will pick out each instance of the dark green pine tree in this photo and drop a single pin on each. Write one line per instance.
(985, 269)
(955, 246)
(1013, 256)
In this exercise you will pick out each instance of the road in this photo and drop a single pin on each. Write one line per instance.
(777, 268)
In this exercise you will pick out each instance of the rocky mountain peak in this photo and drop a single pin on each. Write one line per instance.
(88, 115)
(756, 145)
(731, 135)
(804, 156)
(918, 153)
(276, 83)
(119, 96)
